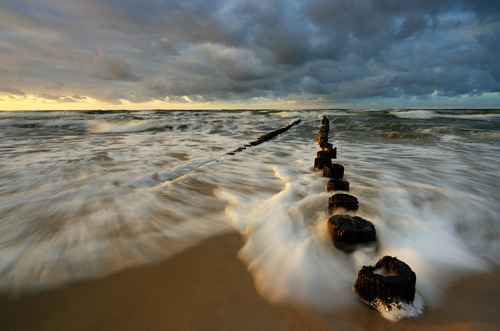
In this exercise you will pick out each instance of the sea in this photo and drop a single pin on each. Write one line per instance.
(84, 194)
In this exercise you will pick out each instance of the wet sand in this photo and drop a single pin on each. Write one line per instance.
(208, 288)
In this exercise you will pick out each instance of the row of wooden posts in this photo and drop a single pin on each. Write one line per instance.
(349, 233)
(265, 137)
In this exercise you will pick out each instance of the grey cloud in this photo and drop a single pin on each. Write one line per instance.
(166, 46)
(489, 41)
(12, 90)
(411, 25)
(61, 98)
(485, 10)
(107, 67)
(111, 95)
(238, 64)
(57, 86)
(140, 51)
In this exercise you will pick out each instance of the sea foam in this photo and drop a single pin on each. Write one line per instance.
(130, 188)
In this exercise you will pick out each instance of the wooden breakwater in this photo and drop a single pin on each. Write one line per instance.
(266, 137)
(390, 280)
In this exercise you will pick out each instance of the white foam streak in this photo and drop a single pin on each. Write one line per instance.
(290, 260)
(434, 254)
(103, 235)
(291, 257)
(287, 248)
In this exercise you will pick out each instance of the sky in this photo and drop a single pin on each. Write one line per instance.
(290, 54)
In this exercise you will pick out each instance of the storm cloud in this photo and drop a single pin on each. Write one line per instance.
(335, 50)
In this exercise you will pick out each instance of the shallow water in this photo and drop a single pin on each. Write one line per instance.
(84, 194)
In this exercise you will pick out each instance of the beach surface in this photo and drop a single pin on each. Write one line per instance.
(208, 288)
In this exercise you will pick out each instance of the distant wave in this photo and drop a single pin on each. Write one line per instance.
(42, 124)
(481, 116)
(417, 114)
(116, 126)
(475, 114)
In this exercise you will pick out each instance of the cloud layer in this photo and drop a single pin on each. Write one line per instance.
(229, 50)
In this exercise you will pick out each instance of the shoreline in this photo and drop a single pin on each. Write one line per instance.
(208, 287)
(204, 287)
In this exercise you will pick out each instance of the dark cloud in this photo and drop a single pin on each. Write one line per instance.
(56, 86)
(11, 90)
(229, 50)
(59, 98)
(107, 67)
(412, 24)
(239, 64)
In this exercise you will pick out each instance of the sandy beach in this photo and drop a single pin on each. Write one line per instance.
(208, 288)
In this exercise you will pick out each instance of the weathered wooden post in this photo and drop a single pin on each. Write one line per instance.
(348, 232)
(390, 280)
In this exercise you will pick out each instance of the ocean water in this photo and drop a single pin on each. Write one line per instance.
(85, 194)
